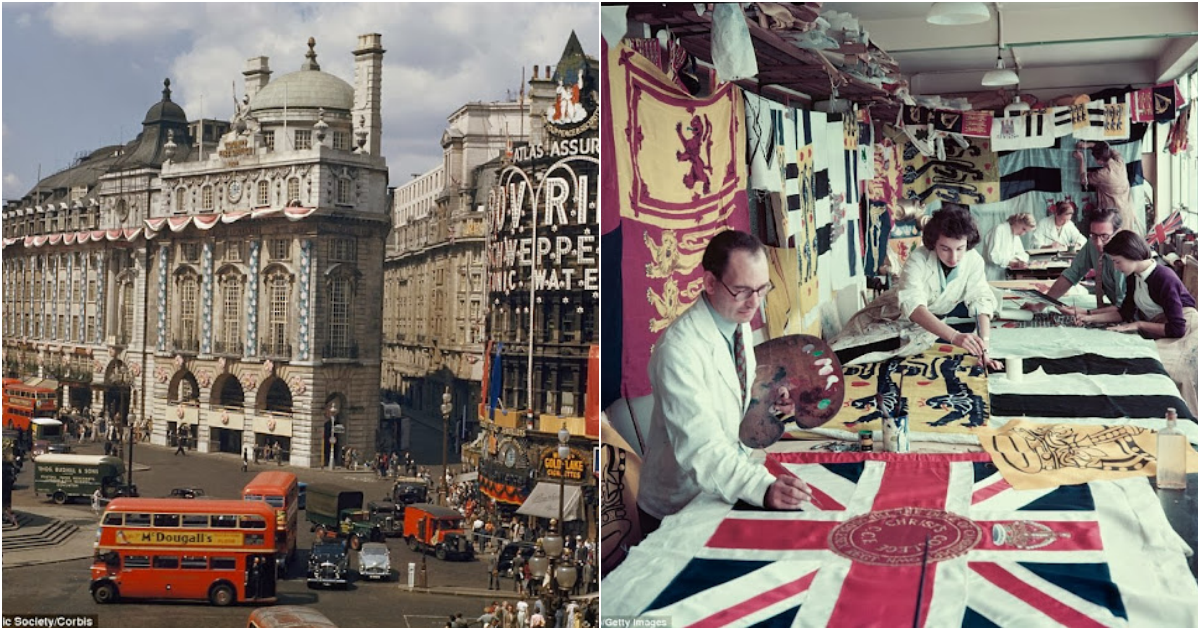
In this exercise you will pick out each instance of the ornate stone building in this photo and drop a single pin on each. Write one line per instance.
(435, 270)
(230, 293)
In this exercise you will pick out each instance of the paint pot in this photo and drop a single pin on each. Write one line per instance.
(1015, 369)
(895, 435)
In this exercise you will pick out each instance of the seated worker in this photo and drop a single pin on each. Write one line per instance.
(1058, 230)
(944, 277)
(1102, 224)
(1003, 249)
(701, 394)
(1157, 306)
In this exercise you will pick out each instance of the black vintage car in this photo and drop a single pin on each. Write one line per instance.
(388, 516)
(508, 556)
(409, 490)
(328, 564)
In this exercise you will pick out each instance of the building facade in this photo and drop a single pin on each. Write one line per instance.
(225, 290)
(435, 271)
(543, 299)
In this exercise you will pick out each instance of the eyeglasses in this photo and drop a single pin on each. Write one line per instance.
(742, 295)
(1103, 238)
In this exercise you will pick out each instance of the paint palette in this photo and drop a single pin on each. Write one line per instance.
(799, 372)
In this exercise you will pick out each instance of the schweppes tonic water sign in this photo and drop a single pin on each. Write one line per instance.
(182, 539)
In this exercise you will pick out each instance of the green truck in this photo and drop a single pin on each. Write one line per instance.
(62, 477)
(339, 513)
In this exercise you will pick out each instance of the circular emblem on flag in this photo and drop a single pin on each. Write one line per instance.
(897, 537)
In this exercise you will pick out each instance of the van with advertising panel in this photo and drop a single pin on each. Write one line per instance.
(62, 477)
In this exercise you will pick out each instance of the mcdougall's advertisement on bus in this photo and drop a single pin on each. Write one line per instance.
(182, 539)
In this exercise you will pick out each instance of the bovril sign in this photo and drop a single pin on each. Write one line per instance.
(572, 469)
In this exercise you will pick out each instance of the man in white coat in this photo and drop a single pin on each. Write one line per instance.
(701, 392)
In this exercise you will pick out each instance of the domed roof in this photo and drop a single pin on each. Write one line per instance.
(166, 109)
(307, 88)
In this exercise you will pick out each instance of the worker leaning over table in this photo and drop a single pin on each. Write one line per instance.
(701, 394)
(1102, 224)
(944, 277)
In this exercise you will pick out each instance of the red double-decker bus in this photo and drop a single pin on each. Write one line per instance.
(219, 551)
(22, 403)
(281, 491)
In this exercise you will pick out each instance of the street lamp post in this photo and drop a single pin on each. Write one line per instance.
(446, 408)
(332, 413)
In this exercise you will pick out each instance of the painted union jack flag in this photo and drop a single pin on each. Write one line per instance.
(937, 540)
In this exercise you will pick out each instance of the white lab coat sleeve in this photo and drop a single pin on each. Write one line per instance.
(995, 250)
(977, 293)
(1073, 236)
(915, 288)
(706, 445)
(1044, 234)
(1018, 249)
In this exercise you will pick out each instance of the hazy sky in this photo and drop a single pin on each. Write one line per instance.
(80, 76)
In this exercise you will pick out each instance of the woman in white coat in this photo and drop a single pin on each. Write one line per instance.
(1002, 249)
(944, 277)
(1058, 231)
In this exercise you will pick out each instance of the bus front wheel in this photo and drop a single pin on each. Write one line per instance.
(105, 593)
(59, 497)
(221, 595)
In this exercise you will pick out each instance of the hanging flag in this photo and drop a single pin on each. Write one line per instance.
(1169, 225)
(496, 381)
(679, 179)
(1030, 130)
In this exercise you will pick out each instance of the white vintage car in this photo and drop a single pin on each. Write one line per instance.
(375, 561)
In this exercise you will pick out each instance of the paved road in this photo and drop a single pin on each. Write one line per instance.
(63, 587)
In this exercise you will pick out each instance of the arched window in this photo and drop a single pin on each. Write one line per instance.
(293, 191)
(125, 332)
(229, 337)
(187, 338)
(264, 193)
(340, 343)
(278, 290)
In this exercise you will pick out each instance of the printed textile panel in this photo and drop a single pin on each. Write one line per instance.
(783, 303)
(1033, 455)
(681, 179)
(936, 541)
(885, 190)
(941, 391)
(968, 175)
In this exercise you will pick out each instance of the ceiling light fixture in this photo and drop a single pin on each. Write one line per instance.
(957, 13)
(1001, 75)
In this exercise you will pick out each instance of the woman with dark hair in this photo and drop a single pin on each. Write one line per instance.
(1157, 306)
(943, 278)
(1058, 230)
(1110, 182)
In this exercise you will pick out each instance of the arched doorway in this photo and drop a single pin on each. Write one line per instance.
(183, 390)
(228, 396)
(118, 391)
(274, 399)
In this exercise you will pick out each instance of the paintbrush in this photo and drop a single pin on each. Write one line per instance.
(921, 587)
